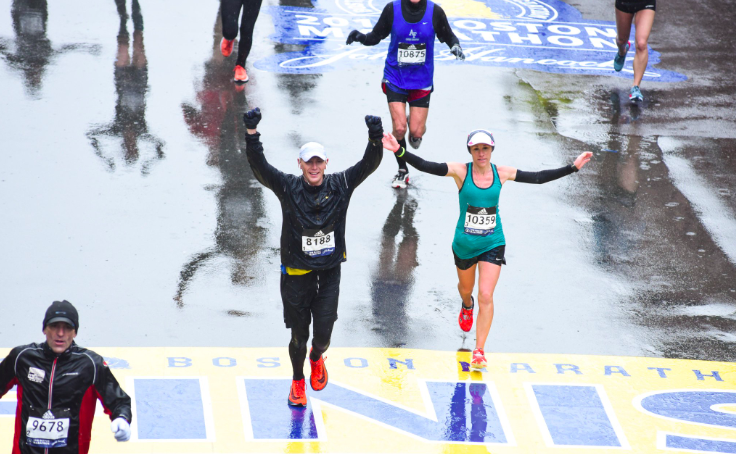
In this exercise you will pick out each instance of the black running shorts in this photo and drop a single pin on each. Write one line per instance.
(634, 6)
(415, 98)
(495, 256)
(311, 295)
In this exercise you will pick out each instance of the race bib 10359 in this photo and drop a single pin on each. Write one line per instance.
(480, 221)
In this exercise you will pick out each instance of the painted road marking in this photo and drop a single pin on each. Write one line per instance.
(575, 416)
(7, 408)
(461, 412)
(550, 36)
(233, 401)
(171, 409)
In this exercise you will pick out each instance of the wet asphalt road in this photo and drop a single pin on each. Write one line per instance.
(123, 190)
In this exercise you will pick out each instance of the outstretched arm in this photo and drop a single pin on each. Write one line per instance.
(544, 176)
(380, 31)
(435, 168)
(265, 173)
(372, 156)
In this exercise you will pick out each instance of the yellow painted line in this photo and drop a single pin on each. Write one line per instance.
(403, 379)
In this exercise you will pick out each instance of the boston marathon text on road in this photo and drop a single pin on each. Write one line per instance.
(545, 37)
(271, 362)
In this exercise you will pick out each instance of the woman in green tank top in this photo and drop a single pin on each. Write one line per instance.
(479, 242)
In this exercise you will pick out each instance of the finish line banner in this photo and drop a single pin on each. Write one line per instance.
(548, 36)
(234, 400)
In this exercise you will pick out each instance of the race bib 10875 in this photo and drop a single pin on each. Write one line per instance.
(411, 54)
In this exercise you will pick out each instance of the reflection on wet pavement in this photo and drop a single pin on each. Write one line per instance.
(634, 255)
(131, 87)
(32, 50)
(665, 227)
(216, 120)
(392, 281)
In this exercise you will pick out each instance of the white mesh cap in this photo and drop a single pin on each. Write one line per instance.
(310, 150)
(481, 136)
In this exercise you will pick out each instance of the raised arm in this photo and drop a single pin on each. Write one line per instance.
(265, 173)
(372, 156)
(380, 31)
(441, 169)
(543, 176)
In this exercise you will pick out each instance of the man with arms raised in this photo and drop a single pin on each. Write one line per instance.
(58, 384)
(314, 207)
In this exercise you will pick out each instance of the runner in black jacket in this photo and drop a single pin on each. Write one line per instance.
(58, 384)
(314, 207)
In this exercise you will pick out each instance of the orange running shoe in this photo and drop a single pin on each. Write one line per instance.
(479, 359)
(240, 74)
(465, 319)
(298, 393)
(318, 379)
(226, 46)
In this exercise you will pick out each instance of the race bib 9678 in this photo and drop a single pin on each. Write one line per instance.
(47, 431)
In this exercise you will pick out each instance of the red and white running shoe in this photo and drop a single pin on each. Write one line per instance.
(240, 74)
(465, 319)
(226, 46)
(479, 359)
(318, 378)
(298, 393)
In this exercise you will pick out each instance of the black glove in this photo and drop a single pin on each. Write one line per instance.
(375, 128)
(457, 51)
(251, 118)
(355, 35)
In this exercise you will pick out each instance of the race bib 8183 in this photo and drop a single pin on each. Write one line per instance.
(318, 242)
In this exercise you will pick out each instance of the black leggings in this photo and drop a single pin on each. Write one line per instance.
(230, 10)
(298, 345)
(311, 298)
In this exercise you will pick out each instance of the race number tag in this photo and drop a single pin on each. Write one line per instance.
(48, 431)
(318, 242)
(480, 221)
(411, 54)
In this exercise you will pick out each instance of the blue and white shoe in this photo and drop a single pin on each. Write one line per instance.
(635, 94)
(618, 62)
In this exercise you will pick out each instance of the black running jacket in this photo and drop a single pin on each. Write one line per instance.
(311, 210)
(68, 385)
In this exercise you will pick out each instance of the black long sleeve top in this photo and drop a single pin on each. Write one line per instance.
(412, 13)
(310, 208)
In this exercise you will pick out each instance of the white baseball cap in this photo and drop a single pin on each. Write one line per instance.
(480, 136)
(310, 150)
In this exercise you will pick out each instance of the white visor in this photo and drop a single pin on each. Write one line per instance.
(310, 150)
(481, 137)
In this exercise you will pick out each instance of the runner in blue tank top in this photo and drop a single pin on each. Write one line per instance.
(479, 238)
(408, 74)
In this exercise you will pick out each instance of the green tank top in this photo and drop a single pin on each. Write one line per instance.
(478, 228)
